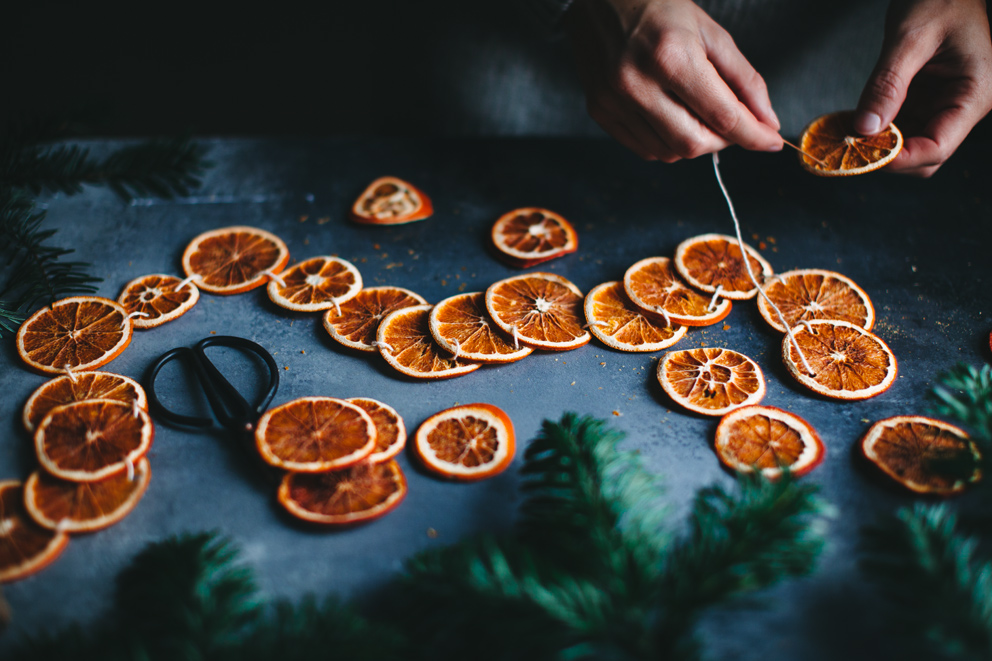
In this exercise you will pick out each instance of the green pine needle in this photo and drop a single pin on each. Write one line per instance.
(964, 393)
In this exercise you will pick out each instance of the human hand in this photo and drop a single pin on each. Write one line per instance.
(668, 82)
(933, 79)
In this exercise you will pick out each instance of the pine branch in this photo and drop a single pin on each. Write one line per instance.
(964, 393)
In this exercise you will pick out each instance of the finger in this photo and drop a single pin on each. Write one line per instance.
(628, 128)
(886, 88)
(679, 128)
(940, 138)
(742, 78)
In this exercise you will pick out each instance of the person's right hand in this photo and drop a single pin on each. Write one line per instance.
(668, 82)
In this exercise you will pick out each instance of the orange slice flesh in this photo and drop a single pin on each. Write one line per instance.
(233, 260)
(356, 494)
(529, 236)
(404, 340)
(156, 299)
(848, 362)
(619, 324)
(391, 201)
(390, 432)
(315, 434)
(317, 284)
(462, 327)
(79, 333)
(767, 439)
(832, 140)
(79, 387)
(923, 454)
(75, 507)
(653, 286)
(356, 324)
(808, 294)
(710, 261)
(710, 380)
(466, 443)
(539, 310)
(92, 440)
(25, 547)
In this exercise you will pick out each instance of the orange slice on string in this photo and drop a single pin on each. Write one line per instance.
(466, 443)
(767, 439)
(156, 299)
(94, 439)
(25, 547)
(75, 507)
(461, 326)
(834, 149)
(619, 324)
(404, 339)
(356, 323)
(848, 362)
(391, 201)
(356, 494)
(78, 333)
(233, 260)
(390, 432)
(922, 454)
(317, 284)
(653, 286)
(808, 294)
(77, 388)
(528, 236)
(713, 262)
(539, 310)
(710, 380)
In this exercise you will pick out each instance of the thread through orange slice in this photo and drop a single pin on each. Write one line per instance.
(841, 151)
(152, 300)
(391, 201)
(79, 387)
(769, 440)
(404, 339)
(390, 432)
(316, 284)
(25, 547)
(808, 294)
(653, 286)
(356, 323)
(468, 442)
(710, 380)
(232, 260)
(714, 263)
(531, 235)
(539, 310)
(461, 325)
(616, 322)
(355, 494)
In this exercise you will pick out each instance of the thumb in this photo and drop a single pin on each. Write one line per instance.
(885, 90)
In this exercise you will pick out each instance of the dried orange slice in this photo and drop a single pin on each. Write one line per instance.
(619, 324)
(25, 547)
(315, 434)
(652, 285)
(848, 362)
(390, 432)
(391, 201)
(404, 340)
(75, 507)
(468, 442)
(923, 454)
(319, 283)
(529, 236)
(713, 262)
(156, 299)
(832, 140)
(461, 326)
(76, 333)
(93, 439)
(355, 494)
(807, 294)
(539, 310)
(769, 440)
(710, 380)
(79, 387)
(232, 260)
(356, 323)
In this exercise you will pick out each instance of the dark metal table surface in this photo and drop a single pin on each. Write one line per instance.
(919, 248)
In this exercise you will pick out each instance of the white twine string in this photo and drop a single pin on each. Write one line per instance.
(132, 316)
(62, 525)
(130, 469)
(384, 345)
(664, 314)
(187, 282)
(595, 323)
(458, 348)
(275, 276)
(516, 337)
(716, 294)
(72, 375)
(135, 409)
(337, 308)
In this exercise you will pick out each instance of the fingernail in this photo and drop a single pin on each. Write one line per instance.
(777, 124)
(867, 123)
(777, 147)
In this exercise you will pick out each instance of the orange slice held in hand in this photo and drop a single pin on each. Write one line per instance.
(808, 294)
(841, 151)
(390, 432)
(710, 380)
(233, 260)
(356, 494)
(713, 263)
(404, 340)
(77, 388)
(462, 326)
(653, 286)
(391, 201)
(156, 299)
(769, 440)
(319, 283)
(356, 323)
(528, 236)
(619, 324)
(25, 547)
(466, 443)
(539, 310)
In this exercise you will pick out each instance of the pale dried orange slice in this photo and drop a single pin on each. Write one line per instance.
(462, 326)
(356, 494)
(539, 310)
(468, 442)
(653, 286)
(315, 434)
(848, 362)
(391, 201)
(232, 260)
(841, 151)
(77, 333)
(79, 387)
(923, 454)
(713, 263)
(356, 323)
(317, 284)
(808, 294)
(769, 440)
(93, 439)
(404, 340)
(528, 236)
(619, 324)
(390, 432)
(75, 507)
(710, 380)
(25, 547)
(152, 300)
